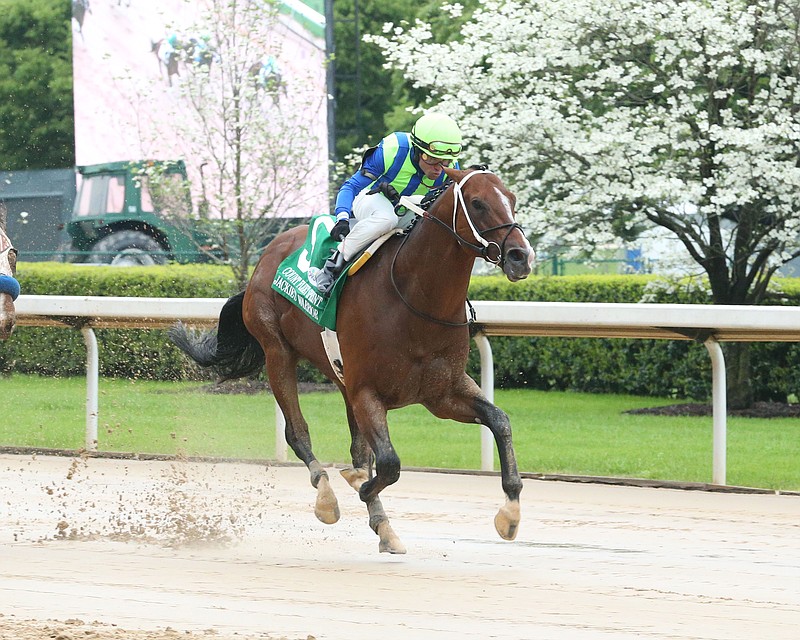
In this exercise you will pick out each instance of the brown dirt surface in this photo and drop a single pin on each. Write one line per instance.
(12, 628)
(103, 549)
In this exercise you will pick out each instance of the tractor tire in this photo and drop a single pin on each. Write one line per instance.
(128, 249)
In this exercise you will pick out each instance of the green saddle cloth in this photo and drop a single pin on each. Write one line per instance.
(292, 280)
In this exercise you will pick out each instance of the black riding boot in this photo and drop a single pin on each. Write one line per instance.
(326, 278)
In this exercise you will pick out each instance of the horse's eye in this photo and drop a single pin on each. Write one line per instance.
(479, 206)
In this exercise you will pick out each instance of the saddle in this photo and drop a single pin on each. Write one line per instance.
(292, 279)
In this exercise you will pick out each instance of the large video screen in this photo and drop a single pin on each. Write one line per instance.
(231, 88)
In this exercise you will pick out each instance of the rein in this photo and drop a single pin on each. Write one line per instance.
(481, 248)
(469, 321)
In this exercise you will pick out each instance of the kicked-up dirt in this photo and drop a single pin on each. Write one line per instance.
(105, 549)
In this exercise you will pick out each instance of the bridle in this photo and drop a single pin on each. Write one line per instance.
(482, 247)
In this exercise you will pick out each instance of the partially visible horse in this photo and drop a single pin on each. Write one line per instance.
(167, 56)
(403, 337)
(267, 77)
(9, 287)
(199, 52)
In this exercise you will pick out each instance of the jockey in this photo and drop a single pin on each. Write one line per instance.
(402, 164)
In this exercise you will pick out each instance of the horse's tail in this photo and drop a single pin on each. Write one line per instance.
(231, 352)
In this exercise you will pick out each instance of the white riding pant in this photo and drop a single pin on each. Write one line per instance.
(374, 216)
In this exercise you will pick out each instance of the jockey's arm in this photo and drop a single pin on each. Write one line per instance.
(371, 169)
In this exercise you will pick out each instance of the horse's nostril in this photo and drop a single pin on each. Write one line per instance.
(517, 255)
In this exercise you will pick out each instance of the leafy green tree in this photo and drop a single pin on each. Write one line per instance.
(372, 100)
(36, 112)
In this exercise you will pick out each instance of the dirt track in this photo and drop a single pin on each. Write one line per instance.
(107, 549)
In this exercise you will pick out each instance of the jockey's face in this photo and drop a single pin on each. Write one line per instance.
(431, 166)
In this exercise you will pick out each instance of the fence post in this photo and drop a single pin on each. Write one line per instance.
(92, 377)
(719, 410)
(280, 435)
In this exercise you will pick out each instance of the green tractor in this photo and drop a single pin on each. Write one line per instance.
(122, 217)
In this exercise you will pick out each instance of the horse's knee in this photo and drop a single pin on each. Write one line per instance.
(387, 466)
(387, 471)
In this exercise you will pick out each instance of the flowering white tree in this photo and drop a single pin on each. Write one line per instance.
(611, 116)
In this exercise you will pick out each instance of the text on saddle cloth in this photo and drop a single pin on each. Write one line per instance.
(292, 279)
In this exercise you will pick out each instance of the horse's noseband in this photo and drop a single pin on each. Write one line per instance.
(485, 251)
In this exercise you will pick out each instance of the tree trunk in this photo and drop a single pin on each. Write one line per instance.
(737, 372)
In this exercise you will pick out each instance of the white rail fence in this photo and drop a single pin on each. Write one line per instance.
(702, 323)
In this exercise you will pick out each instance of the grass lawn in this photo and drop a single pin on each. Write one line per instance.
(554, 432)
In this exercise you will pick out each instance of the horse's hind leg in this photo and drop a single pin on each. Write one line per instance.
(281, 370)
(360, 453)
(387, 466)
(378, 520)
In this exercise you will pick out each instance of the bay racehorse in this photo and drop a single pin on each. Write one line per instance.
(403, 338)
(9, 287)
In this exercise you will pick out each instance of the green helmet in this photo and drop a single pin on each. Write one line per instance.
(437, 135)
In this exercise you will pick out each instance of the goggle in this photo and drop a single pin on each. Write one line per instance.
(438, 148)
(434, 161)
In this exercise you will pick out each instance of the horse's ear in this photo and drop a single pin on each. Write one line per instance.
(454, 174)
(479, 167)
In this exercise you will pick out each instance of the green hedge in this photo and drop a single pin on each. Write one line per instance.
(132, 353)
(677, 368)
(644, 367)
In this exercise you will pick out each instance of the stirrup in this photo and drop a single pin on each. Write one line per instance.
(327, 276)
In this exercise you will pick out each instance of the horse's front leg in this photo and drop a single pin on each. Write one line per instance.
(468, 404)
(374, 439)
(507, 519)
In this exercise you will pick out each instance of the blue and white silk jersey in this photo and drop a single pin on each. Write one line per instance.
(394, 161)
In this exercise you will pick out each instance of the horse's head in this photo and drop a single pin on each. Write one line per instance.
(9, 287)
(482, 218)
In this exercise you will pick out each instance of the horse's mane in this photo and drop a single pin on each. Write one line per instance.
(434, 194)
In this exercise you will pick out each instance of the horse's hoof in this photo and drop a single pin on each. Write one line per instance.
(355, 477)
(507, 520)
(389, 543)
(327, 507)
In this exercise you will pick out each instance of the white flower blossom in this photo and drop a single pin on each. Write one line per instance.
(610, 116)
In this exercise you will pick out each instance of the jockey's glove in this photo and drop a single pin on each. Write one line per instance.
(340, 229)
(387, 190)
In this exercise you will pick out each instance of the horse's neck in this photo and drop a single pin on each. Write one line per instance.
(441, 265)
